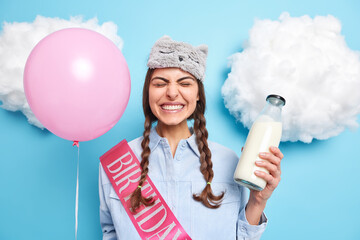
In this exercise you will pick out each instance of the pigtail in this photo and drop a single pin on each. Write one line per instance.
(207, 197)
(136, 197)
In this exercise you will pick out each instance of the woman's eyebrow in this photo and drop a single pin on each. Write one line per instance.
(166, 80)
(187, 77)
(161, 78)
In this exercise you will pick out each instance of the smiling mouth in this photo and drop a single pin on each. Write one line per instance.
(172, 107)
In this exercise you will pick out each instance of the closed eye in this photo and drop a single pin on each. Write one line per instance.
(159, 84)
(186, 81)
(159, 81)
(193, 59)
(164, 52)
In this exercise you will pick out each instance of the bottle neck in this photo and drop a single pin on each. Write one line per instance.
(271, 112)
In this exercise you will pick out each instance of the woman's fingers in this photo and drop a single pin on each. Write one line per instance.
(272, 163)
(270, 179)
(276, 151)
(271, 158)
(272, 168)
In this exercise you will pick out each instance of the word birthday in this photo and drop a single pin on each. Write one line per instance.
(152, 222)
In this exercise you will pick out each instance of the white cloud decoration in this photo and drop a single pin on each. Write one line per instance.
(305, 60)
(17, 39)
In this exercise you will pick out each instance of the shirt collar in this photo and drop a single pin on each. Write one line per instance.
(155, 140)
(192, 143)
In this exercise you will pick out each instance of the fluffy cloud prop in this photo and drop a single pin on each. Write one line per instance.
(305, 60)
(16, 42)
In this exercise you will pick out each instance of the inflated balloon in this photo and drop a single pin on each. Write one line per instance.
(77, 83)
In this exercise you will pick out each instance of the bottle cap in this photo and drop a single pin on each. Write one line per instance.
(277, 97)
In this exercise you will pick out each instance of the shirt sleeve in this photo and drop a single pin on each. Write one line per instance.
(106, 222)
(246, 231)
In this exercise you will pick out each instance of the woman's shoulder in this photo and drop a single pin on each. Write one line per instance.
(224, 160)
(136, 142)
(135, 145)
(217, 148)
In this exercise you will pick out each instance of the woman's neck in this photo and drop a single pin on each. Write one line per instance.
(173, 133)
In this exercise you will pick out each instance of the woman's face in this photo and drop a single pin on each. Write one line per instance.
(173, 94)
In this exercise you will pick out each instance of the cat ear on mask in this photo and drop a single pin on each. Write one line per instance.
(165, 37)
(203, 48)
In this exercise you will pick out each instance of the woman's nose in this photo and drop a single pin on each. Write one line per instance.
(172, 91)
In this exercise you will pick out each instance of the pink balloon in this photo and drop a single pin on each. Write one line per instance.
(77, 83)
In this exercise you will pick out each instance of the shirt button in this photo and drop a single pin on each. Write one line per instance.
(243, 229)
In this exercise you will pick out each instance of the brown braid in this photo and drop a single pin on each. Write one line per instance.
(136, 197)
(206, 196)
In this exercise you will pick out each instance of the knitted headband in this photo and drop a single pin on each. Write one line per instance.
(169, 53)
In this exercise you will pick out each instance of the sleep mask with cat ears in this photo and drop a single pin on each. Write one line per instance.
(169, 53)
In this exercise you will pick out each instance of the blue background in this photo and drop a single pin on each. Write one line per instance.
(318, 197)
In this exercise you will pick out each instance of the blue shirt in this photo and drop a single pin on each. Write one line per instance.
(177, 178)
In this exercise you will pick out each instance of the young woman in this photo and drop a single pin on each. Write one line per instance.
(193, 175)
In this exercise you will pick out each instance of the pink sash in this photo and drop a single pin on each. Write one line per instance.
(153, 222)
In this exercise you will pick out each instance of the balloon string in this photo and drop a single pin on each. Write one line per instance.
(77, 189)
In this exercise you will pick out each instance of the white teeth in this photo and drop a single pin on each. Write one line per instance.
(172, 107)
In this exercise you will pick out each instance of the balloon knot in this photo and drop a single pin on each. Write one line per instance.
(76, 143)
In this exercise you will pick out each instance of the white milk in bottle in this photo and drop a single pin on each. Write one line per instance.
(265, 132)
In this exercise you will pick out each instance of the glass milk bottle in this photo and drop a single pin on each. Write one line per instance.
(265, 132)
